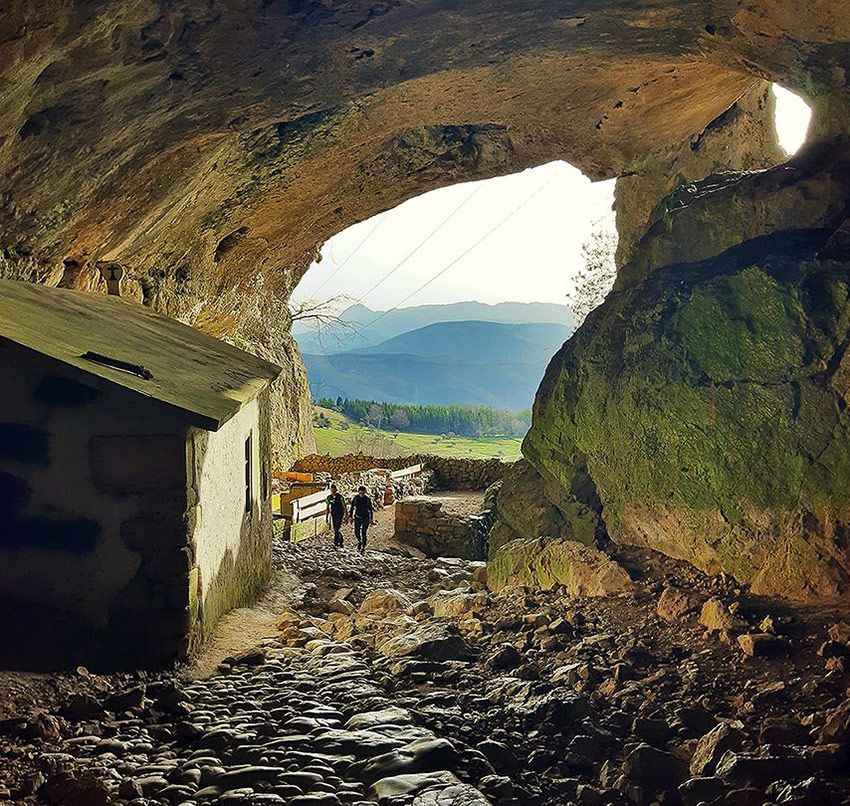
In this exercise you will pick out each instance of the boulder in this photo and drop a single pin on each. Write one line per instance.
(840, 631)
(130, 700)
(673, 604)
(506, 656)
(701, 790)
(397, 786)
(422, 755)
(761, 769)
(479, 576)
(430, 642)
(454, 795)
(545, 562)
(711, 747)
(74, 789)
(362, 744)
(655, 769)
(715, 617)
(455, 605)
(689, 413)
(391, 715)
(560, 708)
(836, 728)
(381, 602)
(498, 754)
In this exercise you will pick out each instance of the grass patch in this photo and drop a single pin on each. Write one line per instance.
(344, 436)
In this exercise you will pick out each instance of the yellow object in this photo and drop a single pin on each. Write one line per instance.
(291, 475)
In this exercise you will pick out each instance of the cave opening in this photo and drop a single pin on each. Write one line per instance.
(792, 119)
(454, 298)
(546, 235)
(205, 150)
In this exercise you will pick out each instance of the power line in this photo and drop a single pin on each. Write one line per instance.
(463, 254)
(422, 243)
(395, 268)
(342, 265)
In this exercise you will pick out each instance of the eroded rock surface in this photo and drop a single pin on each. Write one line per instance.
(701, 410)
(210, 148)
(547, 562)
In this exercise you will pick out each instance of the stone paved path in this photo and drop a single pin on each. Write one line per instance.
(299, 726)
(256, 722)
(393, 680)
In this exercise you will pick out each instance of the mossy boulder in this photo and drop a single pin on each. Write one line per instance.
(703, 413)
(545, 562)
(527, 509)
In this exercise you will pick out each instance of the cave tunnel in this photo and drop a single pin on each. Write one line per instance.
(209, 149)
(180, 146)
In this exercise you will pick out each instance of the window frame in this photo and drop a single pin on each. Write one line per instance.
(249, 473)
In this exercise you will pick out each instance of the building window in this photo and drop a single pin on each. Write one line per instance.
(249, 472)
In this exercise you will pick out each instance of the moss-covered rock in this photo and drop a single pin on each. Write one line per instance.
(545, 562)
(526, 510)
(708, 407)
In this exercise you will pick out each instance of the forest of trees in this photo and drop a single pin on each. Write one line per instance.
(465, 421)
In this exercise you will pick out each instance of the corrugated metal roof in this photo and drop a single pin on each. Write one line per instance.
(129, 345)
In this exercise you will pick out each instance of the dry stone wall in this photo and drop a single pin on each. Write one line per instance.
(449, 473)
(422, 524)
(382, 489)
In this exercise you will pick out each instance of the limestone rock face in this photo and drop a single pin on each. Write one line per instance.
(545, 562)
(525, 510)
(707, 401)
(742, 139)
(209, 148)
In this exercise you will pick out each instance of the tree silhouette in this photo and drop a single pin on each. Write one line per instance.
(595, 278)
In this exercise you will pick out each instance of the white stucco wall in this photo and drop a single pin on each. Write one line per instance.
(80, 583)
(221, 514)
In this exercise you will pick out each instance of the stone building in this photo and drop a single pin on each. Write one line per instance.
(134, 480)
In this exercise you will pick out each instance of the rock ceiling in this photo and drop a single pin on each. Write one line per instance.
(211, 146)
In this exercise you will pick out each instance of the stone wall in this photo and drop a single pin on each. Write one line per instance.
(449, 473)
(112, 554)
(423, 524)
(382, 489)
(230, 543)
(93, 561)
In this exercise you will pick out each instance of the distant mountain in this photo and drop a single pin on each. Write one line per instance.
(358, 327)
(478, 342)
(486, 363)
(403, 378)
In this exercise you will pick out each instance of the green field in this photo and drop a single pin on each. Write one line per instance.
(346, 437)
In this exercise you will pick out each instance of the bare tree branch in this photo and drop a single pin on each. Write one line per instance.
(319, 312)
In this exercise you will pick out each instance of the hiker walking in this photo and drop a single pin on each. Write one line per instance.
(363, 512)
(335, 514)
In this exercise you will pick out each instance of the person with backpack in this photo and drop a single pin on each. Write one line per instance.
(335, 514)
(363, 512)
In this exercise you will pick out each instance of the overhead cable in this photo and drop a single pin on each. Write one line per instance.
(422, 243)
(463, 254)
(342, 265)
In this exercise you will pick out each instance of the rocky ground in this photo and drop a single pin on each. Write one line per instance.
(397, 680)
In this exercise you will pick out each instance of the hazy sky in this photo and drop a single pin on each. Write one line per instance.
(537, 221)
